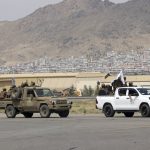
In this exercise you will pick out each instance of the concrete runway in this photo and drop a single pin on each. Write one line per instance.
(78, 132)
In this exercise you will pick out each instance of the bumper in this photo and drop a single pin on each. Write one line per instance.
(58, 107)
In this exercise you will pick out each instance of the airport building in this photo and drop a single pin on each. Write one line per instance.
(65, 80)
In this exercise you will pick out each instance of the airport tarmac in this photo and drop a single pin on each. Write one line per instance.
(77, 132)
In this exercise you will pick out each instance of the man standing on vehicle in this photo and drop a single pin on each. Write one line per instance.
(102, 90)
(3, 93)
(117, 83)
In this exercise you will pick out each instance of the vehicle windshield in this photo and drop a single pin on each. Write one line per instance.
(44, 92)
(144, 91)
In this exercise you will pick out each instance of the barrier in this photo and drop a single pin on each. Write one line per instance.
(81, 98)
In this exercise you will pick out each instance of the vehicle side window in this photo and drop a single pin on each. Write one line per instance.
(122, 92)
(40, 92)
(30, 92)
(133, 92)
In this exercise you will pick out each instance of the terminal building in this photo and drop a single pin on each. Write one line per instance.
(66, 80)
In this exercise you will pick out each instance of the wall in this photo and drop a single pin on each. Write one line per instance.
(66, 80)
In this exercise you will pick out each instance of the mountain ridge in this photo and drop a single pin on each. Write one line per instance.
(76, 27)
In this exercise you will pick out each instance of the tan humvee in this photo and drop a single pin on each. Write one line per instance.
(29, 100)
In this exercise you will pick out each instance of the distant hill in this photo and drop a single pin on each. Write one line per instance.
(76, 27)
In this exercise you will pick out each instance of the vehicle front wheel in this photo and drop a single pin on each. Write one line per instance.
(10, 111)
(128, 114)
(44, 111)
(64, 114)
(108, 110)
(145, 110)
(27, 114)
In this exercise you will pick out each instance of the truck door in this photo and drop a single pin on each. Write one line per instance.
(28, 102)
(121, 101)
(133, 97)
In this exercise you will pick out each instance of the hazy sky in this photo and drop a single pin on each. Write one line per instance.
(14, 9)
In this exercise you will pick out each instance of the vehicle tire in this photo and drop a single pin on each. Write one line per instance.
(108, 110)
(10, 111)
(64, 114)
(128, 114)
(145, 110)
(27, 114)
(44, 111)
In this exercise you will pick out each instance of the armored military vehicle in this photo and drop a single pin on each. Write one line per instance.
(30, 100)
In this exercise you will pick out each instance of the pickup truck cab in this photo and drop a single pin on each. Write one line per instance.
(29, 100)
(126, 100)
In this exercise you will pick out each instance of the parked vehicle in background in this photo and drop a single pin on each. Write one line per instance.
(127, 100)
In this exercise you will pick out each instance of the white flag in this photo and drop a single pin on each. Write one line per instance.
(121, 76)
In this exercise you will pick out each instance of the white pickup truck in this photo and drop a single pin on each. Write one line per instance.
(126, 100)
